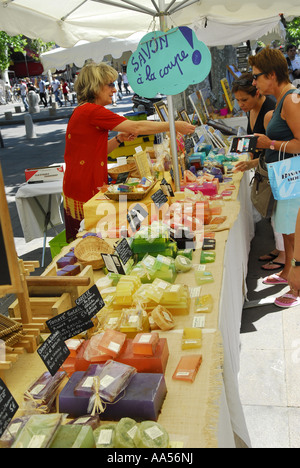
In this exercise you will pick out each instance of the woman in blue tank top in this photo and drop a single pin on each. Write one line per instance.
(271, 77)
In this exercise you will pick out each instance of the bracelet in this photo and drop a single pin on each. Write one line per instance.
(118, 140)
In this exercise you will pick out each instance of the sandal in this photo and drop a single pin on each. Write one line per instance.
(280, 266)
(275, 279)
(270, 257)
(292, 301)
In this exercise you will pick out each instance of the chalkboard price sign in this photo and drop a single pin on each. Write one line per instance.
(124, 251)
(8, 407)
(70, 323)
(159, 198)
(91, 301)
(53, 352)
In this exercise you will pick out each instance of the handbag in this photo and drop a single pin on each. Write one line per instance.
(261, 192)
(284, 176)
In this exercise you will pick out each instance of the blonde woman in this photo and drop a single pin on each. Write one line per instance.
(87, 144)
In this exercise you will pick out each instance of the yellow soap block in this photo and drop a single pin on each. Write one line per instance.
(204, 304)
(173, 293)
(191, 338)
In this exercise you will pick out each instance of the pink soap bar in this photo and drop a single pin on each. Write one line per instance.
(112, 342)
(145, 343)
(155, 364)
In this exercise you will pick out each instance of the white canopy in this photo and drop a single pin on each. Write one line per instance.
(69, 21)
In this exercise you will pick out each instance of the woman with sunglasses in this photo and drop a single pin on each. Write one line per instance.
(271, 77)
(259, 110)
(87, 144)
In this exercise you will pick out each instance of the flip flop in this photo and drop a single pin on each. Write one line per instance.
(292, 301)
(280, 266)
(275, 279)
(267, 257)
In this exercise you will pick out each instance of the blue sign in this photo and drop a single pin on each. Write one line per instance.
(168, 63)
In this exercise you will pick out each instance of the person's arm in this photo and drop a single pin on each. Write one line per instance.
(151, 127)
(115, 142)
(243, 166)
(294, 274)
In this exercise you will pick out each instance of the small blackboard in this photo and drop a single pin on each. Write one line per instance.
(167, 188)
(124, 251)
(8, 407)
(70, 323)
(136, 216)
(113, 263)
(91, 301)
(54, 352)
(121, 179)
(159, 198)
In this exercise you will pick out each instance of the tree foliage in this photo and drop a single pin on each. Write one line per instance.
(293, 31)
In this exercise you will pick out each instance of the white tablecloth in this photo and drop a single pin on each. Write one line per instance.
(31, 216)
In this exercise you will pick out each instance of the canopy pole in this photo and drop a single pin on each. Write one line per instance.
(163, 27)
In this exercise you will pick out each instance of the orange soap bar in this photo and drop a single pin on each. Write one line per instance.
(188, 367)
(155, 364)
(74, 346)
(145, 343)
(112, 342)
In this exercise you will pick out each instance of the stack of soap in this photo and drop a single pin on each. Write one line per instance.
(93, 352)
(176, 299)
(67, 260)
(155, 364)
(156, 291)
(42, 392)
(143, 399)
(74, 436)
(111, 342)
(69, 270)
(145, 343)
(126, 287)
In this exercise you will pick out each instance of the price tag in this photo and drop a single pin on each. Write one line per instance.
(70, 323)
(159, 198)
(8, 407)
(91, 301)
(113, 263)
(136, 216)
(53, 352)
(167, 188)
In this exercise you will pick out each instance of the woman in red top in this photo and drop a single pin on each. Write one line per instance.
(87, 144)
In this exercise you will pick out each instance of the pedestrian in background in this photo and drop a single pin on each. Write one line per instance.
(23, 91)
(42, 88)
(56, 88)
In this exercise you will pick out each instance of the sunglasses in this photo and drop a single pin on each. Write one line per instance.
(243, 82)
(257, 76)
(111, 85)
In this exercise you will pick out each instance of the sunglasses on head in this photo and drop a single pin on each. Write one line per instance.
(257, 75)
(243, 82)
(111, 85)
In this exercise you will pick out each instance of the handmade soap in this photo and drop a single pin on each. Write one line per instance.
(114, 378)
(173, 294)
(111, 342)
(64, 261)
(93, 353)
(202, 276)
(188, 253)
(104, 436)
(163, 318)
(87, 420)
(85, 386)
(42, 392)
(69, 270)
(183, 263)
(207, 256)
(74, 346)
(187, 368)
(191, 338)
(146, 364)
(74, 436)
(164, 263)
(145, 343)
(204, 304)
(131, 321)
(39, 431)
(12, 431)
(112, 321)
(142, 399)
(156, 292)
(125, 433)
(151, 435)
(105, 282)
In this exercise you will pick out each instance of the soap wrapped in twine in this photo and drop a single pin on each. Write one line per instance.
(98, 407)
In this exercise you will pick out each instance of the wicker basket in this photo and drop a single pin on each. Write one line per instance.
(88, 251)
(131, 196)
(131, 168)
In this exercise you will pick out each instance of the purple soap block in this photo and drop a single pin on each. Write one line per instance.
(142, 399)
(64, 261)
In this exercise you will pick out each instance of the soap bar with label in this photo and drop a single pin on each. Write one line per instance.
(187, 368)
(104, 436)
(204, 304)
(191, 338)
(155, 364)
(111, 342)
(73, 436)
(39, 431)
(145, 343)
(207, 256)
(124, 433)
(202, 276)
(151, 435)
(163, 318)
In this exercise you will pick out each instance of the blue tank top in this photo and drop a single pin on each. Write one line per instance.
(278, 129)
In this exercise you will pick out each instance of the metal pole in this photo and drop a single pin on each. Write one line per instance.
(163, 27)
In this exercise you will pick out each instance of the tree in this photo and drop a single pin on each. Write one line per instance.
(9, 44)
(293, 31)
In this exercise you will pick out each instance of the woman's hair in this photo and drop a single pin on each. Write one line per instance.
(271, 60)
(244, 83)
(91, 78)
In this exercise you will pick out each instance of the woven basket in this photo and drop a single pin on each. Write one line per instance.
(88, 251)
(131, 196)
(131, 168)
(8, 326)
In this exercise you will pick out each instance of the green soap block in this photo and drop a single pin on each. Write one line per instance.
(125, 433)
(74, 436)
(39, 431)
(104, 436)
(207, 257)
(151, 435)
(169, 275)
(183, 263)
(188, 253)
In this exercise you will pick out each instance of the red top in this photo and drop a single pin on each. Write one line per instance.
(86, 150)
